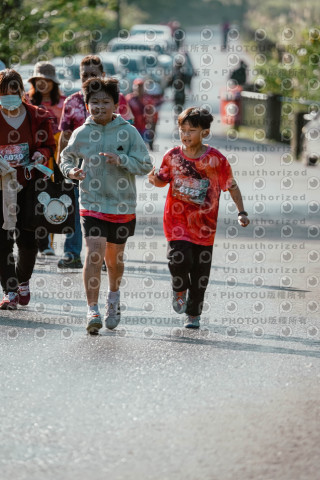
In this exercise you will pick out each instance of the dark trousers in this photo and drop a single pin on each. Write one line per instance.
(12, 273)
(190, 265)
(44, 243)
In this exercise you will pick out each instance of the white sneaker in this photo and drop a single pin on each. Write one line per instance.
(9, 301)
(48, 252)
(113, 315)
(179, 301)
(94, 322)
(192, 321)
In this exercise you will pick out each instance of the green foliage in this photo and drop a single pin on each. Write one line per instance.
(38, 30)
(274, 16)
(71, 34)
(292, 67)
(16, 23)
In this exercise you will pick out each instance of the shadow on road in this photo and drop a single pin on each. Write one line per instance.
(241, 346)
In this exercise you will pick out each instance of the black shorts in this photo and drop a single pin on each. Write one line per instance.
(114, 232)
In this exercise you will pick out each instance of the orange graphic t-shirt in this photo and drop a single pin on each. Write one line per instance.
(192, 204)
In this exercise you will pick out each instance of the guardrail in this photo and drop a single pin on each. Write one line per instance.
(276, 116)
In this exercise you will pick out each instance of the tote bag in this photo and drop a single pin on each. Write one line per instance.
(49, 205)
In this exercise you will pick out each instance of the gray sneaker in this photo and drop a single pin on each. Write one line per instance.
(179, 301)
(94, 322)
(113, 315)
(192, 322)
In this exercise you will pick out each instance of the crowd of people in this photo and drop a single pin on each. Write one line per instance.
(42, 127)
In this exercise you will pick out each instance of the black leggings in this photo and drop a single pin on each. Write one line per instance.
(190, 265)
(12, 273)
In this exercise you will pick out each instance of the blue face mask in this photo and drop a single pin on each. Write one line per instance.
(10, 102)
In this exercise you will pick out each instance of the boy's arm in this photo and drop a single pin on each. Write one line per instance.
(152, 177)
(70, 160)
(237, 198)
(63, 142)
(137, 161)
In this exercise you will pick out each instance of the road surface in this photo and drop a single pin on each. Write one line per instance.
(238, 399)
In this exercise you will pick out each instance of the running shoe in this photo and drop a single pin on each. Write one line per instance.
(70, 263)
(94, 322)
(24, 293)
(9, 301)
(179, 301)
(192, 321)
(113, 314)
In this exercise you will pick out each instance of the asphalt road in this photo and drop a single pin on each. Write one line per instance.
(237, 399)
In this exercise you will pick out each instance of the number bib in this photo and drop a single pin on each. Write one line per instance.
(17, 155)
(190, 190)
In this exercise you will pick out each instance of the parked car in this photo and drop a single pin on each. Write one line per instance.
(311, 139)
(68, 73)
(26, 71)
(157, 29)
(154, 32)
(109, 64)
(138, 43)
(131, 65)
(119, 65)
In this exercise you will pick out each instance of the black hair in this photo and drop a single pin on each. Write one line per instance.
(92, 60)
(11, 79)
(198, 117)
(36, 96)
(108, 85)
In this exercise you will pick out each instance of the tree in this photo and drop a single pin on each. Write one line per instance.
(33, 30)
(15, 25)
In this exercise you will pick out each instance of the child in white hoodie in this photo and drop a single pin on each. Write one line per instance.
(113, 152)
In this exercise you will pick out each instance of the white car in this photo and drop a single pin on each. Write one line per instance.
(113, 67)
(138, 44)
(154, 32)
(68, 73)
(157, 29)
(109, 62)
(146, 64)
(311, 139)
(26, 71)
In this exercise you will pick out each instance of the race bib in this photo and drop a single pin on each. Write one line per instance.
(16, 155)
(190, 190)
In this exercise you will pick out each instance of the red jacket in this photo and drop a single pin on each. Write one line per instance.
(41, 139)
(42, 136)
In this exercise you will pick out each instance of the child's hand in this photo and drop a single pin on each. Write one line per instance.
(155, 180)
(77, 174)
(243, 220)
(152, 176)
(111, 158)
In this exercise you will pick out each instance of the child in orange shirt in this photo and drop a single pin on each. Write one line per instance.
(196, 173)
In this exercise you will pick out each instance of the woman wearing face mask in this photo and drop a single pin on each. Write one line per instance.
(44, 92)
(26, 140)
